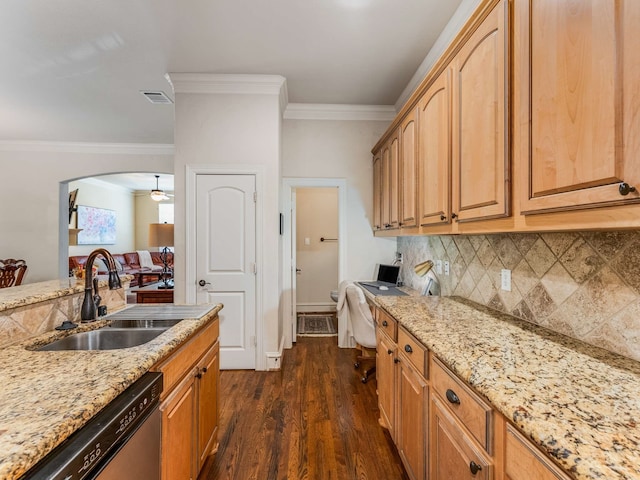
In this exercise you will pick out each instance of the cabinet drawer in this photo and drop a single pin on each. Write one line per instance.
(388, 324)
(175, 367)
(413, 350)
(523, 461)
(473, 412)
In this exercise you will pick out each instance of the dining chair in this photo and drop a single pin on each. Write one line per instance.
(12, 272)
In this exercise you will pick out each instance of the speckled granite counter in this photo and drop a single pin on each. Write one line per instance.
(579, 403)
(46, 396)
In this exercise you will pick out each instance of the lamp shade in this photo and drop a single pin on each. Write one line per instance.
(161, 234)
(423, 268)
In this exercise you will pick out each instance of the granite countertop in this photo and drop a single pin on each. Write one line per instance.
(579, 403)
(46, 396)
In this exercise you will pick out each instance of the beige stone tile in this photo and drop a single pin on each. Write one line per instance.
(608, 292)
(485, 253)
(450, 247)
(609, 244)
(523, 311)
(540, 302)
(465, 286)
(496, 303)
(477, 297)
(505, 250)
(524, 241)
(486, 289)
(476, 241)
(477, 269)
(623, 329)
(465, 248)
(627, 264)
(559, 242)
(11, 331)
(558, 283)
(581, 261)
(540, 258)
(560, 321)
(523, 277)
(510, 298)
(609, 337)
(495, 272)
(437, 247)
(31, 318)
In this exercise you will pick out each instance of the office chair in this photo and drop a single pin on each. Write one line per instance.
(363, 329)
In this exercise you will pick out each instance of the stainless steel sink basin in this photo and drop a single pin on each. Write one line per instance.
(105, 339)
(144, 323)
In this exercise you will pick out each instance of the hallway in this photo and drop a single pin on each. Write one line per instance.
(312, 420)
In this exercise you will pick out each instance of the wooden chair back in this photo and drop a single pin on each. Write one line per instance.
(12, 272)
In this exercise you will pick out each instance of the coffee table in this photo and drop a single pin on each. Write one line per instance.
(153, 294)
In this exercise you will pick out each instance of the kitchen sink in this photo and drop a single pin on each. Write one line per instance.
(105, 339)
(145, 323)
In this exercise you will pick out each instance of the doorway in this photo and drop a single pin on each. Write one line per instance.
(313, 294)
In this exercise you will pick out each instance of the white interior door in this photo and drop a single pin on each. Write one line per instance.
(225, 261)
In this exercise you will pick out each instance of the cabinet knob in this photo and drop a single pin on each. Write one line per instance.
(408, 349)
(204, 369)
(396, 360)
(443, 217)
(474, 467)
(454, 215)
(389, 352)
(385, 323)
(452, 397)
(198, 375)
(624, 189)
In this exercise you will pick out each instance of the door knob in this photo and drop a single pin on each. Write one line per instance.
(202, 283)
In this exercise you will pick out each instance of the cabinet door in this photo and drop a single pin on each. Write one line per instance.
(581, 63)
(385, 181)
(208, 388)
(452, 453)
(434, 153)
(408, 171)
(523, 461)
(394, 181)
(386, 380)
(377, 192)
(413, 397)
(178, 431)
(480, 118)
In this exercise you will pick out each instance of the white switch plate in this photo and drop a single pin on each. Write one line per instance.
(439, 267)
(307, 241)
(446, 267)
(506, 279)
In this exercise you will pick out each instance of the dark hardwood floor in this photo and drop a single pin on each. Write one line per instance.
(314, 419)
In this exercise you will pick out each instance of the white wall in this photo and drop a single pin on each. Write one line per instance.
(231, 131)
(316, 217)
(98, 194)
(146, 212)
(30, 196)
(342, 149)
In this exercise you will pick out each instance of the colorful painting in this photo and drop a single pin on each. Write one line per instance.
(98, 226)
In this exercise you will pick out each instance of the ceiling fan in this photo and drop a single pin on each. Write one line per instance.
(157, 194)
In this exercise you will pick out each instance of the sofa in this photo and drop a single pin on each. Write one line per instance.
(130, 264)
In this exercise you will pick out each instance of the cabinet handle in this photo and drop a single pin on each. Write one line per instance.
(454, 215)
(389, 352)
(408, 349)
(452, 397)
(624, 189)
(384, 323)
(474, 467)
(396, 360)
(443, 217)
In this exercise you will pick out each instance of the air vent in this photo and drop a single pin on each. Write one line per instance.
(157, 97)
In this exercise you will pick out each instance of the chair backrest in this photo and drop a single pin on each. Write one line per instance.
(364, 330)
(11, 272)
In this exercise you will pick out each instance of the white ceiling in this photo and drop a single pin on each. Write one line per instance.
(72, 70)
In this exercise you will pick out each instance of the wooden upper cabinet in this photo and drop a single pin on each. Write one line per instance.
(408, 171)
(481, 173)
(434, 152)
(377, 192)
(578, 80)
(385, 185)
(394, 181)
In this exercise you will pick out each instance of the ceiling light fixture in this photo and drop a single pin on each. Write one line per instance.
(157, 194)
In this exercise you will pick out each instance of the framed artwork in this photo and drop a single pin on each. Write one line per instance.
(72, 203)
(98, 226)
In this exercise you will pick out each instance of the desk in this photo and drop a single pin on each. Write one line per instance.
(153, 294)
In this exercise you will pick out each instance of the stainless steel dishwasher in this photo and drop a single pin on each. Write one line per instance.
(121, 442)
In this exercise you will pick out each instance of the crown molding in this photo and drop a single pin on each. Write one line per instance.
(226, 84)
(85, 147)
(326, 111)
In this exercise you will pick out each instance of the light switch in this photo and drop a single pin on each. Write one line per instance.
(506, 279)
(307, 241)
(446, 267)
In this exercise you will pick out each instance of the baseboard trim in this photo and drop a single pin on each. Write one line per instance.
(274, 359)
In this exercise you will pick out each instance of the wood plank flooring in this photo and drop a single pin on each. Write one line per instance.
(313, 420)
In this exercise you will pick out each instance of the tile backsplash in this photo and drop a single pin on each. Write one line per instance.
(582, 284)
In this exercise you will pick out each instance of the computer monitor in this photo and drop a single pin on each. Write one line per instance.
(388, 273)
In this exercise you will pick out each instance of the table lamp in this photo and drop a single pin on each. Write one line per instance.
(421, 270)
(161, 235)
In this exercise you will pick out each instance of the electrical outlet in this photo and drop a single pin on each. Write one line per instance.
(446, 267)
(398, 257)
(439, 267)
(505, 276)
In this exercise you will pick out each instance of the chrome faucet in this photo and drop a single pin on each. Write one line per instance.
(89, 311)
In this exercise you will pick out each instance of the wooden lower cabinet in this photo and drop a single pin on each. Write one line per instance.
(189, 404)
(413, 398)
(386, 354)
(453, 455)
